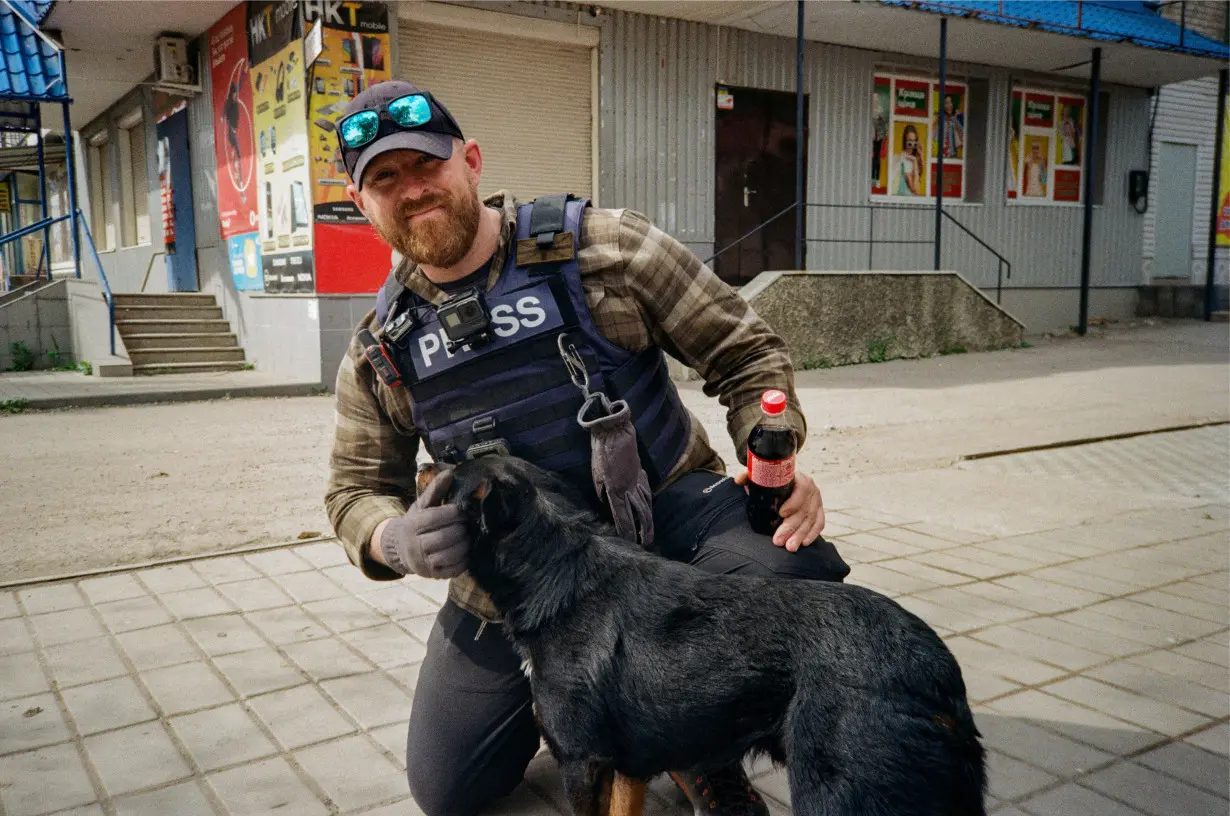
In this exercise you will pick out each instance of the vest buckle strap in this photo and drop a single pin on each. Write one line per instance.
(485, 443)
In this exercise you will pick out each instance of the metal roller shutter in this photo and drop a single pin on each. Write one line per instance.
(526, 102)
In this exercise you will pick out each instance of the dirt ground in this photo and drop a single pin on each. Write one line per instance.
(88, 488)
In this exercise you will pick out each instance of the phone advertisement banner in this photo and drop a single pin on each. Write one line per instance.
(244, 253)
(234, 127)
(355, 55)
(283, 180)
(1223, 209)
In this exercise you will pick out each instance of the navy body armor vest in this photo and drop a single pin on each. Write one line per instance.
(517, 388)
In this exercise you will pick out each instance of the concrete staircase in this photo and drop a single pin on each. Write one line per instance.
(176, 334)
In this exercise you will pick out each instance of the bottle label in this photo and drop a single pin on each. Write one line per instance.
(769, 472)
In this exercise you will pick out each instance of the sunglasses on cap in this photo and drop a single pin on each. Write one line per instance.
(406, 112)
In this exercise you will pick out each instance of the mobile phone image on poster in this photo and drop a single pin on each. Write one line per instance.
(354, 57)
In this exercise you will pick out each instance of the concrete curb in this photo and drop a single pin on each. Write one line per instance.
(195, 395)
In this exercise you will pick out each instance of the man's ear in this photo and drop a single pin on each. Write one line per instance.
(354, 195)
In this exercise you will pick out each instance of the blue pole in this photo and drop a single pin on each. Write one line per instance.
(42, 185)
(72, 181)
(1091, 159)
(939, 140)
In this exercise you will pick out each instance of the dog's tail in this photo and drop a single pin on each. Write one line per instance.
(871, 756)
(970, 785)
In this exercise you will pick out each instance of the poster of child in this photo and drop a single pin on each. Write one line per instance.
(1014, 145)
(909, 172)
(954, 124)
(1036, 152)
(1068, 145)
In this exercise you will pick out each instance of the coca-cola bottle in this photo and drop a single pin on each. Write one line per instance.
(770, 464)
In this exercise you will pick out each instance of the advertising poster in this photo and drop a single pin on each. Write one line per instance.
(909, 176)
(279, 99)
(355, 54)
(1039, 111)
(911, 98)
(1223, 211)
(234, 128)
(953, 179)
(1071, 127)
(879, 136)
(1014, 144)
(905, 120)
(954, 126)
(245, 258)
(1037, 150)
(1067, 185)
(1046, 151)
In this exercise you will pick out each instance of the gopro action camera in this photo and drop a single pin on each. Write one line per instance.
(465, 320)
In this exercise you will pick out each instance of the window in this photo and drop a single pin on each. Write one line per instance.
(102, 221)
(134, 181)
(1046, 147)
(905, 116)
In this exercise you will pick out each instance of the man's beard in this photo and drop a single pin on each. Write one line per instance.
(438, 243)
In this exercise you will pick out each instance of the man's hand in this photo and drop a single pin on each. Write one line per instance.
(429, 540)
(802, 514)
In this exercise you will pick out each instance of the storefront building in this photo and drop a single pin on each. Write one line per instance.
(688, 115)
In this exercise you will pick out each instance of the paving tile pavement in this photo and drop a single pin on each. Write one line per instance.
(281, 682)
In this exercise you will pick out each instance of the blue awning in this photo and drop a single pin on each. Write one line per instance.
(29, 64)
(1120, 21)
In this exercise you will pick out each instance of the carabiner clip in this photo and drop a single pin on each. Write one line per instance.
(575, 365)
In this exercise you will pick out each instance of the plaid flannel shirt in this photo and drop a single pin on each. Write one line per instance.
(643, 287)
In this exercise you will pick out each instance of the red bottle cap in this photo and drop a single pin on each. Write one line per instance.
(773, 402)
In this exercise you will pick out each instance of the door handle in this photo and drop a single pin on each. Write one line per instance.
(746, 193)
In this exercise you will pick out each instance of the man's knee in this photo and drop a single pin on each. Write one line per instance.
(445, 783)
(744, 552)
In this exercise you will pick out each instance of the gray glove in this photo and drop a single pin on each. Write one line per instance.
(618, 476)
(428, 541)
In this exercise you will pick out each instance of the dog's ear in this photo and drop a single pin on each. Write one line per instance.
(480, 494)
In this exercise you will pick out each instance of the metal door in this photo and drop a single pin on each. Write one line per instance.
(1176, 196)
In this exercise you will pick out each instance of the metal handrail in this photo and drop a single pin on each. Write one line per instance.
(29, 229)
(754, 230)
(1003, 263)
(102, 276)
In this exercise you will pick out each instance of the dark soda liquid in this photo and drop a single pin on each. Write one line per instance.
(775, 445)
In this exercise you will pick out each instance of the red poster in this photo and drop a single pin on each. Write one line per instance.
(1039, 110)
(350, 259)
(234, 131)
(1067, 185)
(952, 179)
(911, 98)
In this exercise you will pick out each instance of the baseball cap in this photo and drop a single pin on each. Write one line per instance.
(433, 137)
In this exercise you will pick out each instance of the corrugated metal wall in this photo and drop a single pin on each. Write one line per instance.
(1186, 113)
(657, 154)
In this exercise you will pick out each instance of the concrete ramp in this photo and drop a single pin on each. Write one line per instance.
(837, 318)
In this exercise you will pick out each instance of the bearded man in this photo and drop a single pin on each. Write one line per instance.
(498, 331)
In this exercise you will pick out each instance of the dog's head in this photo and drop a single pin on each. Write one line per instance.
(516, 514)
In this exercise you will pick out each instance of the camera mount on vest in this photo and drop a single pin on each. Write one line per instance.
(466, 320)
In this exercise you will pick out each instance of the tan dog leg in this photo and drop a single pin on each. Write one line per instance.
(627, 797)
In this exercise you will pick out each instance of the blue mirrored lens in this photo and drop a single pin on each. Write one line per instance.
(410, 111)
(359, 129)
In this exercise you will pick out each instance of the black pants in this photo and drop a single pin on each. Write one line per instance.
(472, 732)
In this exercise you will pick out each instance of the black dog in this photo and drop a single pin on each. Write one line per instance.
(641, 665)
